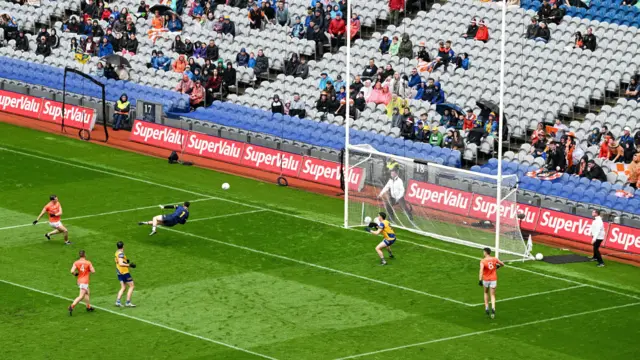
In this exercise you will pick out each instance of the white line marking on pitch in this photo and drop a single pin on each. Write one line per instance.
(489, 331)
(119, 313)
(297, 217)
(536, 294)
(95, 215)
(317, 266)
(226, 215)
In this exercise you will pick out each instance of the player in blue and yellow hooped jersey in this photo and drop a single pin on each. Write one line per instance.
(388, 236)
(123, 264)
(179, 216)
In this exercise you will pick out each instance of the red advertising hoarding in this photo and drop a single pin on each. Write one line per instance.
(438, 197)
(484, 207)
(572, 227)
(623, 238)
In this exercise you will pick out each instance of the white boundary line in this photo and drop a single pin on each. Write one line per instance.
(119, 313)
(490, 331)
(317, 266)
(295, 216)
(226, 215)
(95, 215)
(536, 294)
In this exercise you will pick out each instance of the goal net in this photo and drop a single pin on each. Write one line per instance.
(449, 204)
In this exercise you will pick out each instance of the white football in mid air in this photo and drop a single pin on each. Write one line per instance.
(367, 220)
(225, 186)
(539, 256)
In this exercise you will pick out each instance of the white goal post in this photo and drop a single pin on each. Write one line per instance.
(449, 204)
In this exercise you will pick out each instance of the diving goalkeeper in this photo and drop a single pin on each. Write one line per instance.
(179, 216)
(395, 188)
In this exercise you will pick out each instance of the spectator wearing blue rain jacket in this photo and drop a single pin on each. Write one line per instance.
(252, 60)
(174, 24)
(464, 61)
(385, 44)
(438, 97)
(163, 62)
(189, 73)
(339, 82)
(324, 79)
(105, 48)
(414, 79)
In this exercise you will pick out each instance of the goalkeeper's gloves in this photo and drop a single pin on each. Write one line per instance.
(132, 265)
(480, 282)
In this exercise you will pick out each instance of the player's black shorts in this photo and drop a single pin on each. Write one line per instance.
(169, 221)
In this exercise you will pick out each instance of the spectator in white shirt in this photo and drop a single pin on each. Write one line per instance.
(597, 237)
(395, 188)
(561, 129)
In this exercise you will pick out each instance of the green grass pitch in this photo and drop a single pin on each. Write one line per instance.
(263, 271)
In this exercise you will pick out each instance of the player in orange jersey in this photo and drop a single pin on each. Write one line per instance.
(489, 280)
(82, 268)
(54, 209)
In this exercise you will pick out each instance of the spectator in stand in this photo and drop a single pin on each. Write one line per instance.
(590, 40)
(557, 13)
(185, 85)
(197, 96)
(242, 59)
(212, 52)
(447, 140)
(396, 103)
(321, 39)
(89, 47)
(634, 171)
(22, 43)
(342, 93)
(197, 11)
(252, 61)
(595, 137)
(414, 79)
(443, 56)
(282, 14)
(355, 26)
(291, 64)
(322, 104)
(395, 46)
(197, 75)
(406, 47)
(330, 89)
(367, 89)
(385, 44)
(262, 64)
(615, 152)
(379, 95)
(180, 65)
(594, 171)
(324, 79)
(398, 86)
(396, 118)
(407, 130)
(337, 30)
(100, 69)
(73, 46)
(439, 96)
(532, 29)
(462, 61)
(277, 107)
(188, 47)
(110, 72)
(298, 107)
(569, 149)
(214, 83)
(435, 139)
(627, 143)
(561, 129)
(192, 64)
(370, 71)
(423, 55)
(162, 62)
(472, 29)
(229, 27)
(421, 132)
(214, 24)
(269, 12)
(302, 70)
(556, 160)
(396, 7)
(542, 34)
(256, 16)
(445, 119)
(178, 45)
(43, 47)
(360, 102)
(457, 142)
(339, 82)
(578, 41)
(298, 29)
(174, 24)
(53, 39)
(581, 168)
(483, 32)
(388, 72)
(122, 72)
(131, 45)
(632, 92)
(228, 78)
(318, 18)
(105, 48)
(544, 12)
(538, 135)
(491, 127)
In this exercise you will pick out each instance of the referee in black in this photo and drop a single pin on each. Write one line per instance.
(395, 188)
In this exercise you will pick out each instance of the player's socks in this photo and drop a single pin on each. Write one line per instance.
(118, 303)
(142, 223)
(486, 311)
(47, 236)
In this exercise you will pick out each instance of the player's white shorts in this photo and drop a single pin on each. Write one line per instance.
(83, 286)
(56, 224)
(490, 284)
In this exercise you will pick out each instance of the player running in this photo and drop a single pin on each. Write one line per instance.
(82, 268)
(122, 270)
(54, 209)
(179, 216)
(388, 236)
(489, 280)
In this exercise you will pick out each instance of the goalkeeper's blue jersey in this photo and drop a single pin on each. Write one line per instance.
(181, 214)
